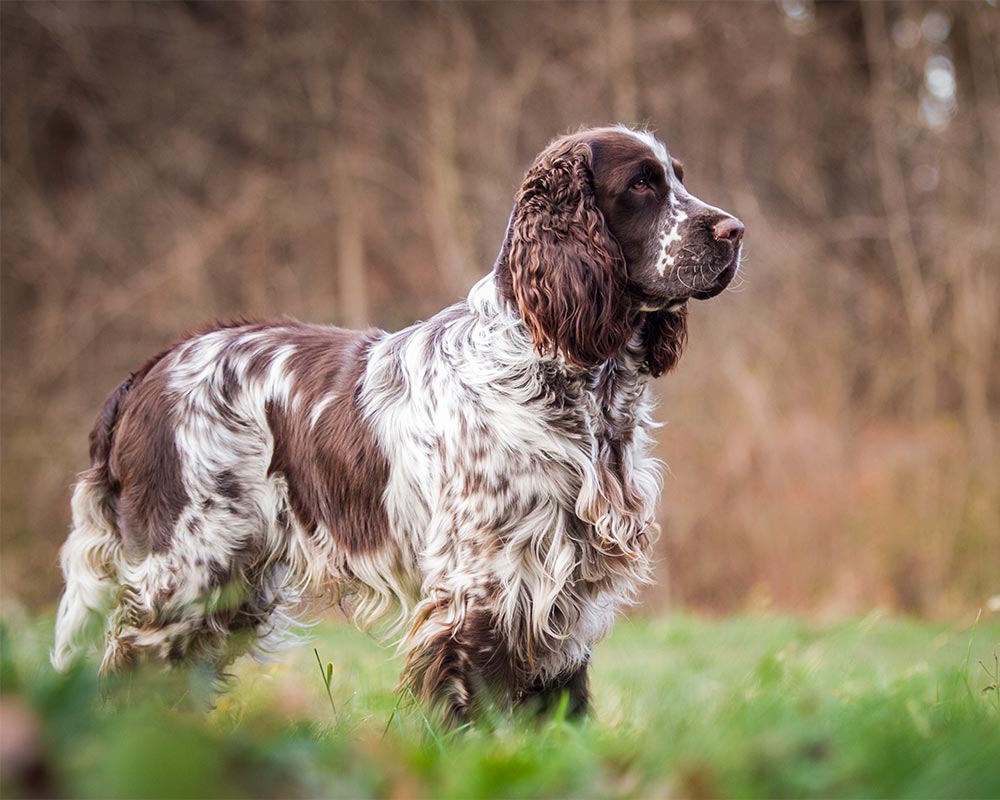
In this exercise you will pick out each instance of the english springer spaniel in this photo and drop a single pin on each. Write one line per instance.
(485, 474)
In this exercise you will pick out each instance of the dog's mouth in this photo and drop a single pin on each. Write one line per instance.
(721, 282)
(675, 302)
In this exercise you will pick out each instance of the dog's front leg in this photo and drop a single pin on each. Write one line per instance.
(458, 659)
(544, 696)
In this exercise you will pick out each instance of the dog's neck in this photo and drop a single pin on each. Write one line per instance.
(489, 301)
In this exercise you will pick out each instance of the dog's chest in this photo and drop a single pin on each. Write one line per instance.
(498, 451)
(550, 441)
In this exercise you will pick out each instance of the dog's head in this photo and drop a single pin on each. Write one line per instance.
(605, 239)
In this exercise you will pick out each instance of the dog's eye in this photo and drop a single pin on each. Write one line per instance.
(640, 185)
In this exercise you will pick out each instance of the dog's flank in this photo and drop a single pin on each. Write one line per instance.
(485, 474)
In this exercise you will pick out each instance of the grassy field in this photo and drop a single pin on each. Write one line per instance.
(688, 707)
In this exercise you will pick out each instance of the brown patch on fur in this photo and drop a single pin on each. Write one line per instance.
(336, 470)
(228, 485)
(664, 338)
(144, 465)
(102, 434)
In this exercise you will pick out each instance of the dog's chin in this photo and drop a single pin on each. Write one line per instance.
(721, 282)
(673, 306)
(648, 302)
(649, 305)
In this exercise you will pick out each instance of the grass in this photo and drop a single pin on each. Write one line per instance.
(741, 707)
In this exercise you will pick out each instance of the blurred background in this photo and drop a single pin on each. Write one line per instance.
(833, 432)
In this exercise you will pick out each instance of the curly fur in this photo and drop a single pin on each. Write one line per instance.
(568, 272)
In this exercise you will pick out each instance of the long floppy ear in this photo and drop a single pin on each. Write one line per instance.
(567, 272)
(664, 338)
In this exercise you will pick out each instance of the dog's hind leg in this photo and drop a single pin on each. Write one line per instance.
(89, 561)
(172, 611)
(162, 615)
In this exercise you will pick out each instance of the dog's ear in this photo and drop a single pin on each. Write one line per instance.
(664, 337)
(566, 271)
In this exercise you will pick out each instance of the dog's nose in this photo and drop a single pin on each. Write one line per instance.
(728, 229)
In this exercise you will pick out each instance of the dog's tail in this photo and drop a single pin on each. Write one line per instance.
(90, 556)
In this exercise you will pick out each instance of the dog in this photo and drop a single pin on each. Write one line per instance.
(486, 474)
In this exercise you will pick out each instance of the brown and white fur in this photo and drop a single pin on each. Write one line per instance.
(484, 474)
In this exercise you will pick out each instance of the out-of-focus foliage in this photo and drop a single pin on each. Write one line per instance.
(749, 707)
(834, 426)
